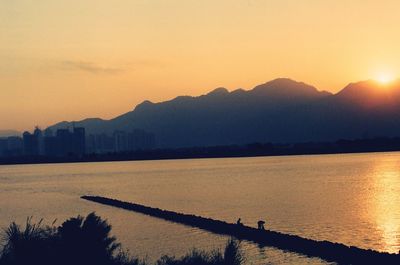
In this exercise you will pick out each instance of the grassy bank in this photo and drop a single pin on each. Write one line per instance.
(87, 240)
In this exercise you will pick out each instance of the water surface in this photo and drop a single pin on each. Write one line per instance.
(352, 199)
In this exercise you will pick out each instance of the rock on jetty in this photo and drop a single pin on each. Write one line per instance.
(329, 251)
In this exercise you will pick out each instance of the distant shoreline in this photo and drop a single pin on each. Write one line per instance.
(250, 150)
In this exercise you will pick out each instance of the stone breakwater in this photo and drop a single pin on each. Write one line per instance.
(329, 251)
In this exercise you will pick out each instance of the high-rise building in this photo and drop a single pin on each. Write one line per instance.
(15, 146)
(31, 144)
(120, 141)
(100, 144)
(3, 146)
(40, 141)
(79, 141)
(140, 140)
(48, 132)
(63, 139)
(65, 142)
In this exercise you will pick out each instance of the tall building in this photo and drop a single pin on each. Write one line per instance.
(51, 146)
(79, 141)
(100, 144)
(31, 144)
(65, 142)
(39, 138)
(141, 140)
(48, 132)
(15, 146)
(3, 146)
(120, 141)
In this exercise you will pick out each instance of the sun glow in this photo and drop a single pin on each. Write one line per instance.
(384, 78)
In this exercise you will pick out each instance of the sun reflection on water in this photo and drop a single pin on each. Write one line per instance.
(386, 203)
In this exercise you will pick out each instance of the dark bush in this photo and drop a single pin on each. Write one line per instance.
(84, 241)
(232, 256)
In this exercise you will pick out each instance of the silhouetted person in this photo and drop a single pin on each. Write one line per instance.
(261, 225)
(239, 222)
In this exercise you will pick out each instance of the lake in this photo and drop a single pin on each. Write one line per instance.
(348, 198)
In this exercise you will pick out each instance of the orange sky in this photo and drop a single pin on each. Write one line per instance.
(68, 60)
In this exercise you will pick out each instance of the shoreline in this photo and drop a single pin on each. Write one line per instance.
(187, 153)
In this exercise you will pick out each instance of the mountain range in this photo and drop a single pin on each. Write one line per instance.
(279, 111)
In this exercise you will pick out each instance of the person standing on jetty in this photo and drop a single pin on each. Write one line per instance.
(261, 225)
(239, 222)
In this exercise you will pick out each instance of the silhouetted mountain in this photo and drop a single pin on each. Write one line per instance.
(7, 133)
(371, 94)
(281, 110)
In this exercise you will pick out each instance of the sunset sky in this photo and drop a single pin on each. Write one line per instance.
(70, 59)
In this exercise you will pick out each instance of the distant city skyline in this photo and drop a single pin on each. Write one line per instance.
(68, 61)
(67, 142)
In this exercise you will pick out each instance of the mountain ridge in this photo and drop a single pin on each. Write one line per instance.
(281, 110)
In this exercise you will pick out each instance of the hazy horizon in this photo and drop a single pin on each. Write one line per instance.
(378, 85)
(63, 61)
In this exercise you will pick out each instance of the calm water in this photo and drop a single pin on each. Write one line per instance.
(352, 199)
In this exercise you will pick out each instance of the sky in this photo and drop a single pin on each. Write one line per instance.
(74, 59)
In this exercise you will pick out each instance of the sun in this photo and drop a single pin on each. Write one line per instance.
(384, 78)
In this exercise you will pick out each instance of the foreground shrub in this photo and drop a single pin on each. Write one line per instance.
(232, 256)
(77, 241)
(194, 258)
(87, 241)
(33, 243)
